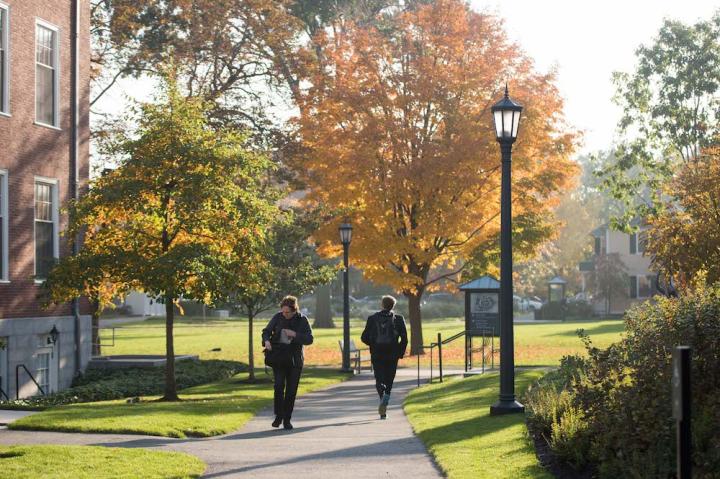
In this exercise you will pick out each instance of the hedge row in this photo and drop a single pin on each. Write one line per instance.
(107, 384)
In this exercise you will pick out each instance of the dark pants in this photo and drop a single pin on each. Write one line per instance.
(384, 370)
(286, 386)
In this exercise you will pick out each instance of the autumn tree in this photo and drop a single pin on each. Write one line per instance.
(399, 137)
(183, 210)
(670, 114)
(287, 266)
(684, 239)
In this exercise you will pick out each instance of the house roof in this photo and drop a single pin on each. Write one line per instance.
(483, 282)
(600, 230)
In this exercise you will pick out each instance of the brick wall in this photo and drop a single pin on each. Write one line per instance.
(28, 150)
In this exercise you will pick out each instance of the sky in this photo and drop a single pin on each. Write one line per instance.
(586, 40)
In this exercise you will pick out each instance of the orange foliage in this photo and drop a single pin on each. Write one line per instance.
(399, 137)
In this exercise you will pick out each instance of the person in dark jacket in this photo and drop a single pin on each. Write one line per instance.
(386, 335)
(291, 328)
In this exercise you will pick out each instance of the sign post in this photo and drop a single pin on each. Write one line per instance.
(681, 409)
(482, 310)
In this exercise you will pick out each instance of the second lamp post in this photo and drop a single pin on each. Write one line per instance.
(345, 238)
(506, 114)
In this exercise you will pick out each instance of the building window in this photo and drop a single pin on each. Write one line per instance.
(42, 371)
(46, 231)
(46, 74)
(4, 276)
(638, 242)
(4, 63)
(642, 286)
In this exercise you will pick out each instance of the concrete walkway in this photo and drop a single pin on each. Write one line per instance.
(337, 434)
(8, 415)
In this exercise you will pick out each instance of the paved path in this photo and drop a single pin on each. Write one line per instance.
(337, 434)
(8, 415)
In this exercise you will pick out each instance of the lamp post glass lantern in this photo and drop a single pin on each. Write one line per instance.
(54, 334)
(345, 238)
(506, 114)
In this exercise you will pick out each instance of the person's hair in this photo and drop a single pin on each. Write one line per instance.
(388, 302)
(291, 302)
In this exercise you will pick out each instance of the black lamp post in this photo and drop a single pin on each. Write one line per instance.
(345, 238)
(506, 114)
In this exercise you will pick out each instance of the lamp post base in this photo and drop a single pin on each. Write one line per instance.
(506, 407)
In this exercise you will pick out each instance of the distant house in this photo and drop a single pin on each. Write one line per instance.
(44, 162)
(630, 248)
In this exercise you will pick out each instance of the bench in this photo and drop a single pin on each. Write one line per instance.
(357, 356)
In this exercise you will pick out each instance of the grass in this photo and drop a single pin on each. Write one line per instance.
(535, 344)
(453, 420)
(208, 410)
(91, 462)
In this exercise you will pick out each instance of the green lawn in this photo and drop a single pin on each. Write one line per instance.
(90, 462)
(535, 344)
(453, 420)
(207, 410)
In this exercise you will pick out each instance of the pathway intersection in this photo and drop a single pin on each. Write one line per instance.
(337, 434)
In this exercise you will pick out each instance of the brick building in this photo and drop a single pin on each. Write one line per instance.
(44, 162)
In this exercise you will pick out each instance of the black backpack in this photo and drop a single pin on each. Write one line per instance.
(386, 333)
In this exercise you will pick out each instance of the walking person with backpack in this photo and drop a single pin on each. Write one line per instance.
(284, 337)
(386, 335)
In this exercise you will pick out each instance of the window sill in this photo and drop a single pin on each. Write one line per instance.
(45, 125)
(40, 281)
(4, 281)
(6, 115)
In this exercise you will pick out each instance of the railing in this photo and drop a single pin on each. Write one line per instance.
(99, 343)
(488, 339)
(2, 391)
(17, 380)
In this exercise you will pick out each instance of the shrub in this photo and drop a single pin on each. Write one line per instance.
(565, 310)
(619, 412)
(106, 384)
(569, 440)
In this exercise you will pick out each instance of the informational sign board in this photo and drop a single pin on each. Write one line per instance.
(482, 312)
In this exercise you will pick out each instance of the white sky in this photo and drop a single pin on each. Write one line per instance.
(588, 40)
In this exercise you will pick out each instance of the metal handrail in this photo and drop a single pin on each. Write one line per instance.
(100, 343)
(468, 348)
(17, 380)
(2, 391)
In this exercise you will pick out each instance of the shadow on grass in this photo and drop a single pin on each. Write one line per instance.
(469, 397)
(611, 326)
(206, 410)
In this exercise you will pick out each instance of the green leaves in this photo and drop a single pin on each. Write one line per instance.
(186, 206)
(670, 113)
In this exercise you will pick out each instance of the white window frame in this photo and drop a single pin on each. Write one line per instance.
(55, 220)
(5, 270)
(56, 81)
(5, 85)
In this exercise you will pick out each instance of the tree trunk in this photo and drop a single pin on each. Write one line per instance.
(416, 336)
(96, 328)
(251, 352)
(323, 311)
(170, 385)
